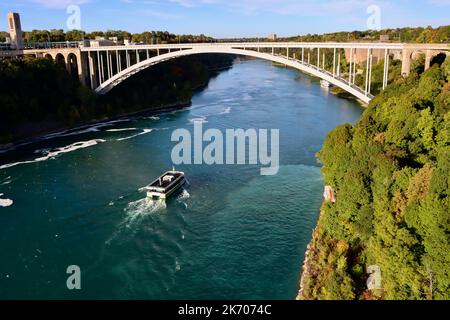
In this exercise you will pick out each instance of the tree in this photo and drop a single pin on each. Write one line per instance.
(57, 35)
(75, 35)
(3, 36)
(390, 174)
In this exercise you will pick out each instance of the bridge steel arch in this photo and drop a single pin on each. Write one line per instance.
(121, 76)
(102, 68)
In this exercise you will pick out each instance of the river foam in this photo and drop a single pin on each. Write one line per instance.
(226, 111)
(201, 119)
(123, 129)
(6, 181)
(56, 152)
(5, 202)
(145, 131)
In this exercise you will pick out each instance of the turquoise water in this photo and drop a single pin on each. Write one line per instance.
(231, 234)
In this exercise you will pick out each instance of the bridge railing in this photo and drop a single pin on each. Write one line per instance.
(5, 46)
(253, 45)
(52, 45)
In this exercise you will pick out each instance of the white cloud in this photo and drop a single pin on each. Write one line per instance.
(289, 7)
(159, 15)
(440, 2)
(59, 4)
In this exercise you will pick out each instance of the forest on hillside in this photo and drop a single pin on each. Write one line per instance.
(390, 173)
(407, 34)
(413, 35)
(38, 96)
(150, 37)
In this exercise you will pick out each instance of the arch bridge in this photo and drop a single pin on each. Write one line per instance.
(103, 68)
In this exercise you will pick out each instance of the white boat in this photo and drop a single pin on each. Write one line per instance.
(166, 185)
(324, 84)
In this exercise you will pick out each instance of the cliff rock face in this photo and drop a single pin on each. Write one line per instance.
(307, 271)
(329, 195)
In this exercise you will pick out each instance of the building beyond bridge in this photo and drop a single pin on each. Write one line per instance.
(15, 31)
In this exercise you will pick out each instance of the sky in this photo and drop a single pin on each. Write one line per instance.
(228, 18)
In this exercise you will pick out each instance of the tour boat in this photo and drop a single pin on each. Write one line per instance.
(166, 185)
(324, 84)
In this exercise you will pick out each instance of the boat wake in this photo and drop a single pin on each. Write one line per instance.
(182, 198)
(184, 195)
(136, 212)
(141, 208)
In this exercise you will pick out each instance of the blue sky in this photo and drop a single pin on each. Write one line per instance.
(227, 18)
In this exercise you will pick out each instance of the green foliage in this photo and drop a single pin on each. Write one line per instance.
(416, 35)
(55, 100)
(391, 176)
(395, 67)
(75, 35)
(150, 37)
(163, 37)
(446, 69)
(3, 36)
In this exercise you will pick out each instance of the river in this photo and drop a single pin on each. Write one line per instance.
(74, 200)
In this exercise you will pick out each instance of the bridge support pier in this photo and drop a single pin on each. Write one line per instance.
(92, 73)
(339, 64)
(318, 58)
(406, 62)
(102, 68)
(323, 61)
(369, 71)
(350, 70)
(386, 68)
(334, 62)
(429, 55)
(83, 69)
(117, 61)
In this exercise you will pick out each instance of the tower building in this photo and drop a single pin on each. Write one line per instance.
(15, 31)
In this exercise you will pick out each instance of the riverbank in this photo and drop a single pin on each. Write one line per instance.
(338, 92)
(51, 134)
(42, 112)
(86, 198)
(390, 170)
(308, 262)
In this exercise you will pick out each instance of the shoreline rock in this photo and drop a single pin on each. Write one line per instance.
(306, 268)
